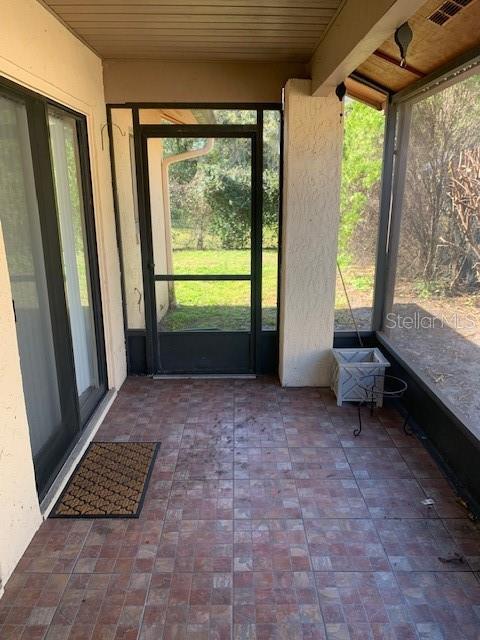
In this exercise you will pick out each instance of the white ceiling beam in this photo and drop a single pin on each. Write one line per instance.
(360, 27)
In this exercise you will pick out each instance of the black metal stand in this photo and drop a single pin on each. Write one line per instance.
(373, 393)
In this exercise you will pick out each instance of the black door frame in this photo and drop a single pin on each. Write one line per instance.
(139, 350)
(74, 417)
(154, 355)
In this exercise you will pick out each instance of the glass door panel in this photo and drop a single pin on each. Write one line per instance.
(75, 258)
(44, 199)
(19, 215)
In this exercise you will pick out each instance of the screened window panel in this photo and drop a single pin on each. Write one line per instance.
(364, 129)
(271, 217)
(126, 187)
(434, 321)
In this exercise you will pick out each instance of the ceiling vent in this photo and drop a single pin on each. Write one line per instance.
(448, 10)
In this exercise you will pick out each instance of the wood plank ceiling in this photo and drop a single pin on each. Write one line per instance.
(433, 44)
(239, 30)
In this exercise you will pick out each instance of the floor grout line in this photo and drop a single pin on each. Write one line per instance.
(244, 413)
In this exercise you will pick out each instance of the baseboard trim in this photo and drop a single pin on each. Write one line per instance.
(206, 376)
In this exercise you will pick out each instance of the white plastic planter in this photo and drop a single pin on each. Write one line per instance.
(355, 369)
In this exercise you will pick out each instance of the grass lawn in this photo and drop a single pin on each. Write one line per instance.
(359, 283)
(225, 305)
(221, 305)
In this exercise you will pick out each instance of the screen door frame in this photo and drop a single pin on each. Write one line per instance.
(197, 352)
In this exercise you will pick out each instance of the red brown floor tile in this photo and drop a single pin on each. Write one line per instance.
(265, 518)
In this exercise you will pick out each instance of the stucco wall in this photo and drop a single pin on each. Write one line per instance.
(39, 53)
(312, 163)
(20, 513)
(162, 81)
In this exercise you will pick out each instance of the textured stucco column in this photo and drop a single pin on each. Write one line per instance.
(312, 164)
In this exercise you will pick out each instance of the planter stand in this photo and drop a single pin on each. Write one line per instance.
(392, 388)
(355, 369)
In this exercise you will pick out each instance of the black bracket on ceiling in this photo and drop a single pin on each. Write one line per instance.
(358, 77)
(403, 37)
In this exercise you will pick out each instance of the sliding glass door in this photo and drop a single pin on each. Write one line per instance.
(75, 254)
(25, 257)
(47, 231)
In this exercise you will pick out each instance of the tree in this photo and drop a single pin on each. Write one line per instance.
(465, 196)
(432, 246)
(361, 171)
(211, 196)
(231, 201)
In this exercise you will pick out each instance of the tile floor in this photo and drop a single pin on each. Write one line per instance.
(264, 519)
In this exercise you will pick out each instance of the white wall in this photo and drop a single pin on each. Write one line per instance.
(312, 165)
(38, 52)
(19, 510)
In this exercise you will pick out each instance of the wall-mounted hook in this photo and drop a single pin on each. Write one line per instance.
(340, 92)
(139, 301)
(122, 133)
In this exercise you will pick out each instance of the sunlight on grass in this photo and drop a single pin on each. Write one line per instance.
(359, 281)
(212, 262)
(221, 305)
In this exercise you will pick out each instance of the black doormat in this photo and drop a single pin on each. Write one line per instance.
(110, 481)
